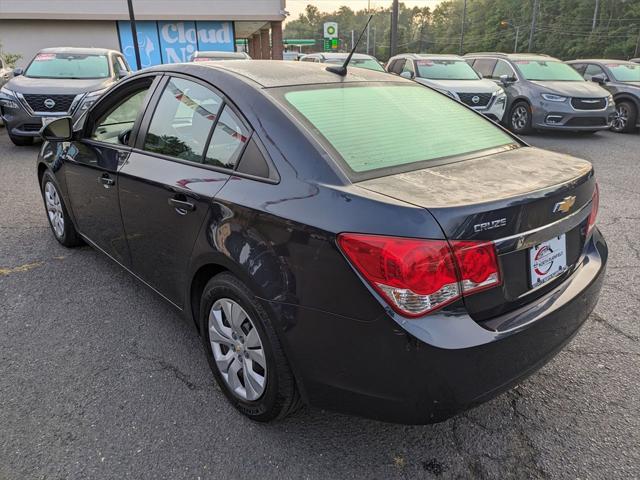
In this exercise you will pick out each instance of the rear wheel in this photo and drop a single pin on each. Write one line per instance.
(20, 141)
(519, 121)
(244, 352)
(624, 118)
(59, 220)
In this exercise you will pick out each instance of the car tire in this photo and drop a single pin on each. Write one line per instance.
(519, 120)
(61, 225)
(238, 335)
(20, 141)
(624, 120)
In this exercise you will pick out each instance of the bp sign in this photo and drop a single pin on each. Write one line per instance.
(330, 30)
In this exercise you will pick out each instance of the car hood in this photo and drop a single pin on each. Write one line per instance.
(56, 86)
(467, 86)
(573, 89)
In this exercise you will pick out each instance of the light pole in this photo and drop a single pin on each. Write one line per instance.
(394, 27)
(134, 34)
(509, 23)
(464, 20)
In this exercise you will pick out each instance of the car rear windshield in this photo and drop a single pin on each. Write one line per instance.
(367, 63)
(68, 65)
(446, 70)
(551, 70)
(379, 126)
(625, 72)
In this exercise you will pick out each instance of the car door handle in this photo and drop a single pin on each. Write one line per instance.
(182, 206)
(106, 181)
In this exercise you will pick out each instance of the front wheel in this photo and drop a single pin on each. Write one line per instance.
(519, 121)
(59, 220)
(244, 352)
(624, 118)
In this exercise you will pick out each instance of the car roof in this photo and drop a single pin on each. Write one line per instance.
(418, 56)
(512, 56)
(339, 55)
(214, 53)
(273, 73)
(600, 60)
(79, 50)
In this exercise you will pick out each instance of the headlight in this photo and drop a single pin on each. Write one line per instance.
(610, 100)
(91, 98)
(448, 93)
(9, 102)
(501, 97)
(553, 98)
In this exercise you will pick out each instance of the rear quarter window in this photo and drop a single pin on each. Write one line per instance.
(381, 126)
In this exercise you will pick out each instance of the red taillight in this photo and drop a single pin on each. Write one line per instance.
(595, 204)
(418, 276)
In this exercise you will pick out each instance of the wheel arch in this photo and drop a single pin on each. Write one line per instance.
(635, 101)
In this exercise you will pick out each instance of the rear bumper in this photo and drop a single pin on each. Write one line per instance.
(426, 372)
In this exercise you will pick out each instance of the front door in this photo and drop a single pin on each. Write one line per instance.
(181, 160)
(92, 165)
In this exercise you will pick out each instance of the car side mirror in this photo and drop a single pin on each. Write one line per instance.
(121, 73)
(506, 80)
(600, 79)
(60, 130)
(124, 136)
(407, 75)
(18, 71)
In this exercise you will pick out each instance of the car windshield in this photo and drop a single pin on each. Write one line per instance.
(367, 63)
(379, 126)
(68, 65)
(446, 70)
(552, 70)
(625, 72)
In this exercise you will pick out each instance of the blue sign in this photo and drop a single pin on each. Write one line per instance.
(174, 41)
(147, 43)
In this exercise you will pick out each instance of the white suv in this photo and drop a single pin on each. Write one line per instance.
(452, 75)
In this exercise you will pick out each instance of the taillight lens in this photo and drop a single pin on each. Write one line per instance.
(418, 276)
(595, 204)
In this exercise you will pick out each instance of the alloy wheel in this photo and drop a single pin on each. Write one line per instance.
(519, 117)
(620, 118)
(237, 349)
(54, 209)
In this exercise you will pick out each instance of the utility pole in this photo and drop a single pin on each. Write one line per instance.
(353, 38)
(534, 17)
(394, 27)
(464, 20)
(595, 16)
(374, 41)
(368, 25)
(515, 45)
(134, 34)
(635, 53)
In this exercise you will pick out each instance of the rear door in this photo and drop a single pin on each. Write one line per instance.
(92, 164)
(185, 153)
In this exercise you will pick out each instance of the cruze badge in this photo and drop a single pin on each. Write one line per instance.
(481, 227)
(565, 205)
(49, 103)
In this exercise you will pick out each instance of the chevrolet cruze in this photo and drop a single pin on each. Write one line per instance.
(325, 256)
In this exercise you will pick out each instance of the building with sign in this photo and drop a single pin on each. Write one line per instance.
(169, 31)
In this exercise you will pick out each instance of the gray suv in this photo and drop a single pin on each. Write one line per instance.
(545, 93)
(56, 83)
(622, 80)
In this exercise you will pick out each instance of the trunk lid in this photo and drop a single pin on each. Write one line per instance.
(510, 198)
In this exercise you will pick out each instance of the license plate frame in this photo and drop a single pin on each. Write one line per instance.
(547, 260)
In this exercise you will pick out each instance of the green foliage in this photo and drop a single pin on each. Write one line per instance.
(10, 59)
(564, 27)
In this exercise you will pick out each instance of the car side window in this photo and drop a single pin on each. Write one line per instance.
(122, 64)
(592, 70)
(397, 66)
(579, 67)
(308, 59)
(182, 121)
(121, 116)
(408, 67)
(485, 66)
(502, 68)
(227, 141)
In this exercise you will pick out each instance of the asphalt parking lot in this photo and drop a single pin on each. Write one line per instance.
(99, 378)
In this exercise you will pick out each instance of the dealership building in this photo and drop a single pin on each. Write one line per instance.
(169, 31)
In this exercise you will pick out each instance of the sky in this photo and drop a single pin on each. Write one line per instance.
(295, 7)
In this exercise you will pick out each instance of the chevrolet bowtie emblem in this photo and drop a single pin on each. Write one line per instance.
(565, 205)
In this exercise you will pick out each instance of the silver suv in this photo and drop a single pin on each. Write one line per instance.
(56, 83)
(451, 75)
(545, 93)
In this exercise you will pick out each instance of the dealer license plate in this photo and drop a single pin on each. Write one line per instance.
(548, 260)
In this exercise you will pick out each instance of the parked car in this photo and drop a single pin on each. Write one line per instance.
(359, 60)
(333, 239)
(451, 75)
(543, 93)
(635, 60)
(56, 83)
(622, 80)
(210, 56)
(291, 56)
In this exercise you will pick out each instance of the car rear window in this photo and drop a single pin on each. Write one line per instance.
(380, 126)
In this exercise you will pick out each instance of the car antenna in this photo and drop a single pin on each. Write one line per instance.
(342, 70)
